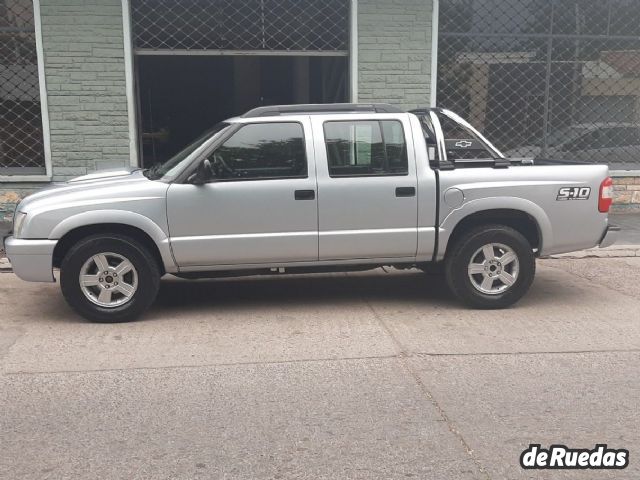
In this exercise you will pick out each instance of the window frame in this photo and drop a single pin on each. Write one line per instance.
(47, 175)
(379, 122)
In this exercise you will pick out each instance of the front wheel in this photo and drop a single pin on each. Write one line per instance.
(490, 267)
(109, 279)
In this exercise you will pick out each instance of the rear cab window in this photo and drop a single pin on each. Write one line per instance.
(452, 142)
(461, 143)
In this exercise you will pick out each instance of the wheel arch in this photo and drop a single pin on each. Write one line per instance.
(535, 226)
(73, 236)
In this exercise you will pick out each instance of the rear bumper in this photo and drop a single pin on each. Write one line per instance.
(610, 236)
(31, 260)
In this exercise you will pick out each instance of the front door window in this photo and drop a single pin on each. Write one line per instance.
(262, 151)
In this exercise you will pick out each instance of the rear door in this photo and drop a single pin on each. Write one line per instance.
(367, 188)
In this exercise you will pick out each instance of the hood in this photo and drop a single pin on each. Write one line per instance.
(105, 175)
(116, 192)
(87, 186)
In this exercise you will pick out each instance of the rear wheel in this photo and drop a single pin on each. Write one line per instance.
(492, 266)
(109, 279)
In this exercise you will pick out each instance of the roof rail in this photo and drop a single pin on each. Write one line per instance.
(276, 110)
(424, 110)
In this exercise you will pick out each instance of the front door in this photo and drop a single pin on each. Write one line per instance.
(367, 188)
(260, 207)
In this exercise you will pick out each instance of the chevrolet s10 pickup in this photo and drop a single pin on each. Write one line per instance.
(312, 188)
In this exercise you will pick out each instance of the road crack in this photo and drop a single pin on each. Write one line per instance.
(404, 357)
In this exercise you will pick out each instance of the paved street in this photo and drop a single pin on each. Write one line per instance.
(368, 375)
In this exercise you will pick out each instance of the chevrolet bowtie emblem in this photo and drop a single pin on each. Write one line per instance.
(463, 143)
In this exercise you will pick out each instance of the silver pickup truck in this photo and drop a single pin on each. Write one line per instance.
(311, 188)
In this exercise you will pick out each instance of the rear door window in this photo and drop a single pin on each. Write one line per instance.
(366, 148)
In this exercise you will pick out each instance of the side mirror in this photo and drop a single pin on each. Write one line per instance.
(203, 173)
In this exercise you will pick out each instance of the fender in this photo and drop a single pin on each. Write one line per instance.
(96, 217)
(494, 203)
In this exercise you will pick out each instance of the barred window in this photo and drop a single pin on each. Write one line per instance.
(526, 72)
(263, 25)
(21, 138)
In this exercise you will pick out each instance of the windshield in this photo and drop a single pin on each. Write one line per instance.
(170, 169)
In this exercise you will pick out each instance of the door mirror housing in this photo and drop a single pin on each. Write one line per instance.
(203, 174)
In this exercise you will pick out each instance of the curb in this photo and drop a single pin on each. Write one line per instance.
(5, 266)
(615, 251)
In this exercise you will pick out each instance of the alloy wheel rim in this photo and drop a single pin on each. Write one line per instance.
(493, 268)
(108, 279)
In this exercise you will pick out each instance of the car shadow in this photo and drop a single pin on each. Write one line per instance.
(178, 297)
(303, 290)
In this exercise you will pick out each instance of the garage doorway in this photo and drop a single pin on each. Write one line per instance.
(198, 62)
(181, 96)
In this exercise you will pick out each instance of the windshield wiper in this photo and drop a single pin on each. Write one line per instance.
(152, 173)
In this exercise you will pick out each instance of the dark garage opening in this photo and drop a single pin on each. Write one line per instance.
(180, 96)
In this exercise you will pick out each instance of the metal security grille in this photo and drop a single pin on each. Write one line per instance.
(546, 78)
(249, 25)
(21, 144)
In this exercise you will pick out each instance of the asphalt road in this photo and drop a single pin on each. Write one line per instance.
(370, 375)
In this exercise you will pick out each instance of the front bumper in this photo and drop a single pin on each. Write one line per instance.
(610, 236)
(31, 260)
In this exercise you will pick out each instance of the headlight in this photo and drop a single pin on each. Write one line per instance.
(18, 221)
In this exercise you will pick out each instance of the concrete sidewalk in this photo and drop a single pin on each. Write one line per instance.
(359, 376)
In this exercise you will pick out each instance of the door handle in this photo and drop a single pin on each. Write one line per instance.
(405, 191)
(305, 194)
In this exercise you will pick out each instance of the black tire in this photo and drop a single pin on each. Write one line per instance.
(146, 266)
(463, 252)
